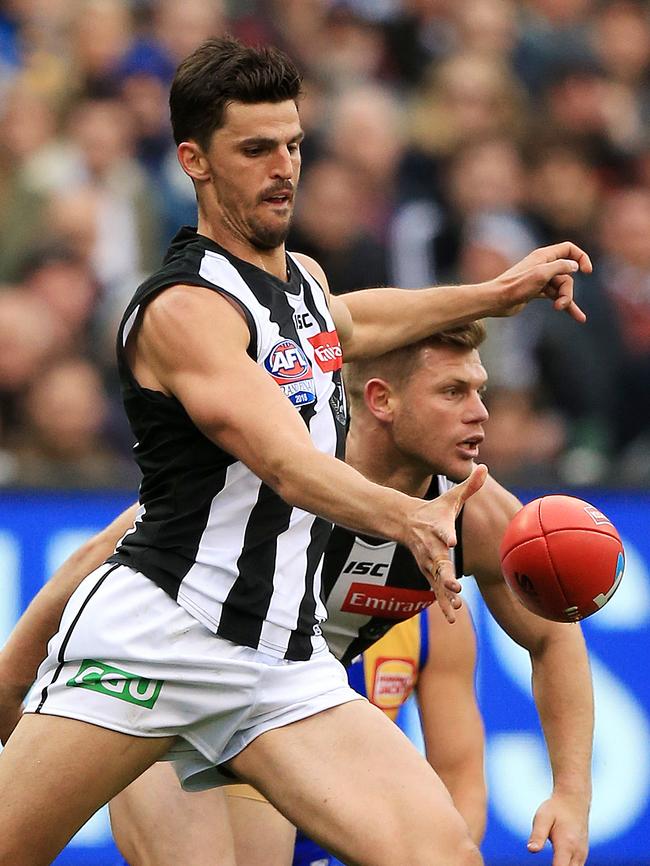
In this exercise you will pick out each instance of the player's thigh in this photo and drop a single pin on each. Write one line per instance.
(156, 823)
(351, 780)
(54, 774)
(263, 837)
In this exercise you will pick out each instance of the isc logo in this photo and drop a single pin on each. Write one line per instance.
(287, 362)
(357, 566)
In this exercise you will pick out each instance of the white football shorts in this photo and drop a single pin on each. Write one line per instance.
(127, 657)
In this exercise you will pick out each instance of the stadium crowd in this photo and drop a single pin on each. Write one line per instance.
(445, 139)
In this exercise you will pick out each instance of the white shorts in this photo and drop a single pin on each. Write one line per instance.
(129, 658)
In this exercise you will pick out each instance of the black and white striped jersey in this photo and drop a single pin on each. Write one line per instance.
(370, 584)
(210, 532)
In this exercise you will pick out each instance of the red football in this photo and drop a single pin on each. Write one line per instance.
(562, 558)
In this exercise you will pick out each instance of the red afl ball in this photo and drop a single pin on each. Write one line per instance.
(562, 558)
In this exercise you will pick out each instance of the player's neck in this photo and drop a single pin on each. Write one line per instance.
(271, 261)
(370, 454)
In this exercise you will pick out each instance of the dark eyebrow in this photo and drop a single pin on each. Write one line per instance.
(261, 141)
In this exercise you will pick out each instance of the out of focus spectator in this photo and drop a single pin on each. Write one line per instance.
(624, 317)
(366, 134)
(523, 432)
(61, 442)
(329, 226)
(592, 113)
(483, 176)
(101, 33)
(29, 340)
(552, 33)
(468, 96)
(445, 138)
(487, 27)
(93, 165)
(419, 33)
(564, 195)
(66, 282)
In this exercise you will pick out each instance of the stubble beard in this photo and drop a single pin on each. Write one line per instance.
(264, 237)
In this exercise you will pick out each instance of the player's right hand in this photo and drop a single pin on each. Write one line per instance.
(432, 533)
(545, 273)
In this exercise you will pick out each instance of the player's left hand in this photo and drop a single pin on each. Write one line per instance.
(562, 819)
(432, 533)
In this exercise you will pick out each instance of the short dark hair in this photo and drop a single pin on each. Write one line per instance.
(221, 71)
(396, 366)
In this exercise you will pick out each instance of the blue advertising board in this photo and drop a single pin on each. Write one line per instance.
(38, 530)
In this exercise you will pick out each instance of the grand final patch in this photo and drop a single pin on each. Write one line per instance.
(290, 368)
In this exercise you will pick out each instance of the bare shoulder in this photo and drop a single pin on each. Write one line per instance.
(314, 269)
(180, 309)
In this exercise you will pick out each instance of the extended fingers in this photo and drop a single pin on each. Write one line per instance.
(560, 289)
(446, 588)
(462, 492)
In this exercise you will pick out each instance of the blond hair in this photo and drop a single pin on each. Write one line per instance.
(397, 365)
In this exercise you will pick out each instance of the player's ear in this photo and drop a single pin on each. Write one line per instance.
(379, 399)
(193, 160)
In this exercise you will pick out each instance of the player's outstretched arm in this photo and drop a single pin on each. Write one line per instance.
(451, 721)
(193, 343)
(374, 321)
(26, 647)
(561, 681)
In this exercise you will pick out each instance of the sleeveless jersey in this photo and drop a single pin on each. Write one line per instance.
(370, 584)
(209, 532)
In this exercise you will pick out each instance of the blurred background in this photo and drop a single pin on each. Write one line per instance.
(445, 140)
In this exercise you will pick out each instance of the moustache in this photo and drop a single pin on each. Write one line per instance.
(284, 186)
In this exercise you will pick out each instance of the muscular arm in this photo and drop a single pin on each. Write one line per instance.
(374, 321)
(451, 721)
(561, 680)
(192, 343)
(26, 647)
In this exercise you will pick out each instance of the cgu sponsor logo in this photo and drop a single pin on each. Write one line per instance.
(386, 602)
(327, 351)
(288, 365)
(116, 683)
(392, 683)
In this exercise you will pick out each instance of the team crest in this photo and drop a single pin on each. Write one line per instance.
(288, 365)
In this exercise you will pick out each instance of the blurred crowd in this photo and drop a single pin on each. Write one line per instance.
(445, 139)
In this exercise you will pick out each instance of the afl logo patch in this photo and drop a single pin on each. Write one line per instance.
(288, 365)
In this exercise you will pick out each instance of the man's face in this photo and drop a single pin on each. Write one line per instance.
(255, 163)
(439, 412)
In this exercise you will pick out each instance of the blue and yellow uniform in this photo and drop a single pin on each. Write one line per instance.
(387, 673)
